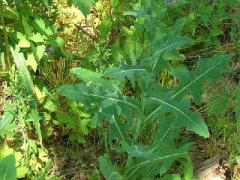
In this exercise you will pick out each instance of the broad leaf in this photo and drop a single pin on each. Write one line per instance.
(91, 77)
(7, 168)
(207, 70)
(6, 123)
(107, 168)
(158, 162)
(184, 117)
(45, 2)
(83, 5)
(128, 72)
(111, 102)
(167, 46)
(22, 69)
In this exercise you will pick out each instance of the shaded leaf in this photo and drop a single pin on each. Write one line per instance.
(7, 168)
(83, 5)
(109, 171)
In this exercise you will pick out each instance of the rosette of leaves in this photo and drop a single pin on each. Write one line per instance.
(128, 117)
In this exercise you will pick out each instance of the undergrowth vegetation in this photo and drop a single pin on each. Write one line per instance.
(118, 89)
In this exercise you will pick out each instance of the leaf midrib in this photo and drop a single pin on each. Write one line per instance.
(105, 97)
(180, 111)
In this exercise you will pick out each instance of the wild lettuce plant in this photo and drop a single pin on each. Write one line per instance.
(152, 47)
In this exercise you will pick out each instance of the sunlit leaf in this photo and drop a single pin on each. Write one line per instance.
(20, 62)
